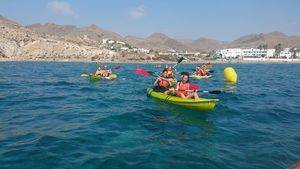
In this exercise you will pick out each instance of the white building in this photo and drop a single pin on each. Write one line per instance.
(120, 42)
(111, 42)
(285, 53)
(141, 50)
(229, 53)
(248, 53)
(255, 53)
(270, 52)
(124, 48)
(104, 41)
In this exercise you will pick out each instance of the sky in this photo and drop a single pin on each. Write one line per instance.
(182, 19)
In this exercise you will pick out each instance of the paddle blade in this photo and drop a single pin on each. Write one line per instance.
(142, 72)
(180, 60)
(84, 75)
(215, 92)
(117, 67)
(194, 87)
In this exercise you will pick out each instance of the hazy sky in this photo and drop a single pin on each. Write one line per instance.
(219, 19)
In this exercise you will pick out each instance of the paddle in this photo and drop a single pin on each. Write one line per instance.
(85, 75)
(144, 72)
(117, 67)
(196, 87)
(178, 61)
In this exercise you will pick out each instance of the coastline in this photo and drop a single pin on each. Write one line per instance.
(218, 61)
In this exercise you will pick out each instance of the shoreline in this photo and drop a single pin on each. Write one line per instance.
(219, 61)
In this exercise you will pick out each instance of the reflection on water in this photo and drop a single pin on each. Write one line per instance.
(230, 87)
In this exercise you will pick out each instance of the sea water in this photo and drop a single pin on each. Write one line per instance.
(50, 117)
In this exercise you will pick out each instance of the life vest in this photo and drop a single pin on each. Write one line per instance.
(105, 73)
(183, 86)
(163, 82)
(202, 72)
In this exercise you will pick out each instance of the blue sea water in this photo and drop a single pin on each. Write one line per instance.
(50, 117)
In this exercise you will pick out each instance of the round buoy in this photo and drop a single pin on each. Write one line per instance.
(230, 75)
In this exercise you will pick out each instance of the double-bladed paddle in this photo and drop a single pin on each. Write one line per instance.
(143, 72)
(196, 88)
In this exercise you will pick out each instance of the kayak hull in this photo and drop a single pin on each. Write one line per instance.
(201, 104)
(97, 78)
(201, 77)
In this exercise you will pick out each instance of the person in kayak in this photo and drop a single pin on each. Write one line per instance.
(162, 83)
(183, 88)
(106, 72)
(201, 72)
(98, 72)
(170, 72)
(103, 72)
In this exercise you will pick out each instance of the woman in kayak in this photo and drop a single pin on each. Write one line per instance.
(162, 83)
(183, 88)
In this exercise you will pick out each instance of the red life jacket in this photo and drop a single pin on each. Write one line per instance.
(202, 72)
(105, 73)
(183, 86)
(163, 82)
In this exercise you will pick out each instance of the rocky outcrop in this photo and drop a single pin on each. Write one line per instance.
(20, 43)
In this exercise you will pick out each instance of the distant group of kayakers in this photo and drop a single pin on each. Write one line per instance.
(166, 88)
(165, 82)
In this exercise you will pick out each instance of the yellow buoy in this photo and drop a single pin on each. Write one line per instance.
(230, 75)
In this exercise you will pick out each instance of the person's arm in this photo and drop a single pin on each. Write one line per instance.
(156, 82)
(177, 86)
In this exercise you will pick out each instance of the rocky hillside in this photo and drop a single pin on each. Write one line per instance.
(161, 42)
(51, 41)
(157, 42)
(271, 39)
(73, 33)
(21, 43)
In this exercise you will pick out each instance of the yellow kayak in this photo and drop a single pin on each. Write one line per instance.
(195, 104)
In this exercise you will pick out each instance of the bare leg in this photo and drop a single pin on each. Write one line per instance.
(167, 92)
(196, 95)
(182, 95)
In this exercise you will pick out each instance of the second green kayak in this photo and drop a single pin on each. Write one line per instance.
(199, 104)
(96, 78)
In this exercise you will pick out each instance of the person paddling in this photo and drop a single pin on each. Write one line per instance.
(170, 72)
(106, 72)
(102, 72)
(183, 88)
(162, 83)
(201, 72)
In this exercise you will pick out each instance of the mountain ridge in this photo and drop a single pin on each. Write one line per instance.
(156, 41)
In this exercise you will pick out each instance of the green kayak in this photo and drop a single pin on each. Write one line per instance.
(199, 104)
(97, 78)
